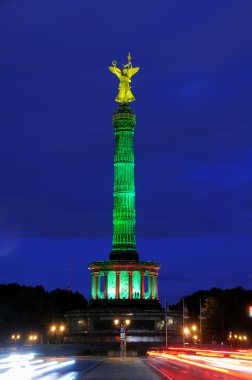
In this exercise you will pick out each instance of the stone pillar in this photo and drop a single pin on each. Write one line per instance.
(142, 285)
(130, 285)
(96, 282)
(92, 286)
(156, 276)
(117, 284)
(105, 284)
(151, 286)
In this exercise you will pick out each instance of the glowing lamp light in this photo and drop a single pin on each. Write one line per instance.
(127, 322)
(53, 328)
(116, 322)
(62, 328)
(33, 338)
(250, 311)
(186, 331)
(15, 337)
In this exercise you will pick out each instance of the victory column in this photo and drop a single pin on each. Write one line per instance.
(125, 277)
(124, 290)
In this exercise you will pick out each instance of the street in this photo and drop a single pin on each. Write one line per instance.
(52, 368)
(171, 365)
(201, 364)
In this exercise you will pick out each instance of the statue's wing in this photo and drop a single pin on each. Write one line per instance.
(132, 71)
(115, 71)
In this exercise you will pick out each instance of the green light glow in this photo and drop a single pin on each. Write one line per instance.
(124, 215)
(147, 292)
(93, 287)
(100, 294)
(111, 292)
(136, 281)
(124, 284)
(155, 287)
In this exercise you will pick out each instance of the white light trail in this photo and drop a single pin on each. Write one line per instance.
(23, 367)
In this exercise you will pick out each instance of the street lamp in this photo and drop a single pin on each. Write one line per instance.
(15, 337)
(233, 338)
(33, 338)
(57, 330)
(191, 331)
(62, 328)
(124, 322)
(186, 331)
(123, 325)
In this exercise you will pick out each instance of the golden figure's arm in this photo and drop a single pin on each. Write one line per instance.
(116, 71)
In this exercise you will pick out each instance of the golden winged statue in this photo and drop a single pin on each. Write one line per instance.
(124, 95)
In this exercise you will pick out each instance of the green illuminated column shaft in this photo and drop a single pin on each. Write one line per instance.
(124, 214)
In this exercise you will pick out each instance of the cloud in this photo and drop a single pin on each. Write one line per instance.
(8, 246)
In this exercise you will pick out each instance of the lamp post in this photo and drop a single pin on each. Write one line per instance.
(237, 339)
(124, 324)
(57, 331)
(15, 338)
(186, 332)
(190, 332)
(32, 338)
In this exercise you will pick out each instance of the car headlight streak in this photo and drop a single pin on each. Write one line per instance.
(23, 367)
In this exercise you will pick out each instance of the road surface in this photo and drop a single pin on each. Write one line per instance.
(155, 367)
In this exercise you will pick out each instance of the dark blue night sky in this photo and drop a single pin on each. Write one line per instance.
(193, 141)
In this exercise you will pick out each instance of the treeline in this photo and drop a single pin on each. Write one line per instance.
(26, 309)
(223, 311)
